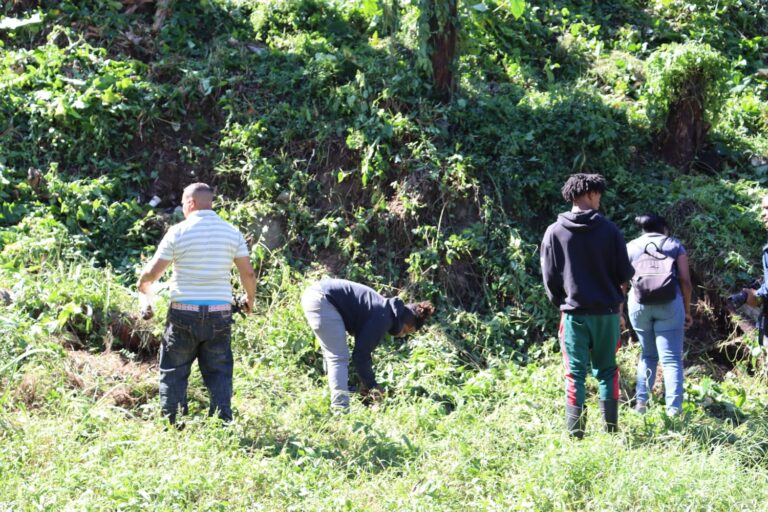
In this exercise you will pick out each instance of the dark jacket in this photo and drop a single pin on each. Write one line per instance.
(367, 316)
(584, 263)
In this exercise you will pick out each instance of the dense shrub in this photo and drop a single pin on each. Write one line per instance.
(678, 70)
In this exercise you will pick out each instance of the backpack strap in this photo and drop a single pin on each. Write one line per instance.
(658, 254)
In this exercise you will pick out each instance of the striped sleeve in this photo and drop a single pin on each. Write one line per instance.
(165, 249)
(242, 248)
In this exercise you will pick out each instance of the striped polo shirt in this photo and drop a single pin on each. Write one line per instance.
(202, 249)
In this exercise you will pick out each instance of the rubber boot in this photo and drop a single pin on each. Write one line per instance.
(610, 411)
(575, 420)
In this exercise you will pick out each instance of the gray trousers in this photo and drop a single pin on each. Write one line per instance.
(328, 326)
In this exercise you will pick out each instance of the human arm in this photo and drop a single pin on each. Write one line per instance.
(757, 297)
(684, 277)
(247, 280)
(624, 272)
(151, 273)
(622, 320)
(154, 269)
(553, 279)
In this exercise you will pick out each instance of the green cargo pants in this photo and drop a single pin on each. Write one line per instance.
(585, 339)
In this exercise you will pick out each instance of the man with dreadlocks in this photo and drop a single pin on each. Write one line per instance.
(585, 266)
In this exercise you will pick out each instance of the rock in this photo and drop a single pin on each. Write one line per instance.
(268, 231)
(284, 197)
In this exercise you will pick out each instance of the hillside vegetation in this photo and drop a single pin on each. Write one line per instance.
(318, 125)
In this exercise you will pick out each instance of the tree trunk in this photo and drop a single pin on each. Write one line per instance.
(442, 42)
(162, 11)
(686, 130)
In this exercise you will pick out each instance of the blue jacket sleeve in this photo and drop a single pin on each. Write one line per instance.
(366, 340)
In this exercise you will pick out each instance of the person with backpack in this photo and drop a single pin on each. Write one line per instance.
(659, 309)
(585, 269)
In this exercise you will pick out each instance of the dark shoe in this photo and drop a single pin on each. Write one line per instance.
(575, 420)
(610, 411)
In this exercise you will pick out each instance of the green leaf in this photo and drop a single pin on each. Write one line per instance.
(517, 7)
(741, 398)
(109, 96)
(371, 8)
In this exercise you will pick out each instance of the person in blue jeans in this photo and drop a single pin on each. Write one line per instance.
(660, 326)
(201, 250)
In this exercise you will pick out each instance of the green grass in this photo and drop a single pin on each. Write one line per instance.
(502, 448)
(316, 117)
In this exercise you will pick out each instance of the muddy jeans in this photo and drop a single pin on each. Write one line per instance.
(205, 336)
(328, 326)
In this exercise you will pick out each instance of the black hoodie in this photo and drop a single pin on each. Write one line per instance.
(584, 263)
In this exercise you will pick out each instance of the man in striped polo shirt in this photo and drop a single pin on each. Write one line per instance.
(202, 249)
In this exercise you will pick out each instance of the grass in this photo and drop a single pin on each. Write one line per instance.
(454, 434)
(502, 448)
(444, 201)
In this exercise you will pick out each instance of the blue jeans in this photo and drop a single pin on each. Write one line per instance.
(203, 335)
(660, 330)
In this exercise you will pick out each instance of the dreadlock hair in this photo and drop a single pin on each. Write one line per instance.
(581, 184)
(422, 311)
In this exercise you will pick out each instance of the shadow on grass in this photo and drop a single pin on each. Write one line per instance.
(365, 450)
(744, 435)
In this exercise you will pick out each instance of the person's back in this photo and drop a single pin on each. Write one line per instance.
(357, 303)
(202, 249)
(584, 265)
(579, 254)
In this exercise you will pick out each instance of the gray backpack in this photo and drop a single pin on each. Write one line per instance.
(654, 281)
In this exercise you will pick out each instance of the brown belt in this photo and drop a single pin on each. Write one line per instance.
(195, 307)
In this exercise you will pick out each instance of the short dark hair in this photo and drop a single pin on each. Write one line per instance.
(581, 184)
(651, 223)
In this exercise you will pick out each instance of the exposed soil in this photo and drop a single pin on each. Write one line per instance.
(108, 377)
(111, 377)
(134, 335)
(686, 129)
